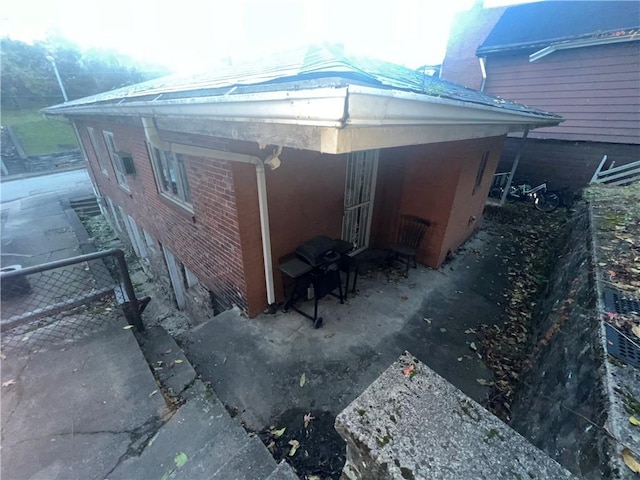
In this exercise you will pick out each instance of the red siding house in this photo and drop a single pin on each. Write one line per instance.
(216, 178)
(578, 59)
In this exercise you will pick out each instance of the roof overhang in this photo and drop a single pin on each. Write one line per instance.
(328, 120)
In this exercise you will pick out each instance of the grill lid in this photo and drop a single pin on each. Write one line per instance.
(318, 251)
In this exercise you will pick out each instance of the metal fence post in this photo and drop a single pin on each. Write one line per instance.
(131, 305)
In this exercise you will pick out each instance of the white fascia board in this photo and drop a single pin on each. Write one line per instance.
(374, 107)
(319, 107)
(352, 139)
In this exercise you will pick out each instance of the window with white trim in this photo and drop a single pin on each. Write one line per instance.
(171, 176)
(116, 161)
(98, 152)
(480, 173)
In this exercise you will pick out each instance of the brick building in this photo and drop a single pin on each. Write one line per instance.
(217, 178)
(578, 59)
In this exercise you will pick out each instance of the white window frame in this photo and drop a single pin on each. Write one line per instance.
(114, 214)
(94, 144)
(149, 240)
(164, 163)
(116, 161)
(481, 171)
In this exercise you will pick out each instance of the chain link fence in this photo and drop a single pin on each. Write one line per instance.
(57, 302)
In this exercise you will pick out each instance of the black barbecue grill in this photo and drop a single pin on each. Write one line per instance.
(317, 264)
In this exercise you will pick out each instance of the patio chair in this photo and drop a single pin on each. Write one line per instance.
(411, 231)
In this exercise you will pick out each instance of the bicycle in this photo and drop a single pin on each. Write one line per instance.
(544, 200)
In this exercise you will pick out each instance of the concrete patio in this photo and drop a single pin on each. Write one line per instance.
(255, 365)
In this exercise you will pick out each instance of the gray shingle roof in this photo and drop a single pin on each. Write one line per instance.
(313, 67)
(538, 24)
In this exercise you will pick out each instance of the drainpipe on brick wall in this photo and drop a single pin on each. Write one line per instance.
(151, 133)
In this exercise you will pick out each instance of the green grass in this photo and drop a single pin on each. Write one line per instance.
(40, 135)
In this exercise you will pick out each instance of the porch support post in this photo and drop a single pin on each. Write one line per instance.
(521, 145)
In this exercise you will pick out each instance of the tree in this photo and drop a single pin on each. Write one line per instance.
(28, 79)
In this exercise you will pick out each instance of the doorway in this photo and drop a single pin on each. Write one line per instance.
(362, 170)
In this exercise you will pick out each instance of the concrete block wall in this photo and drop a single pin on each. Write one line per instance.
(563, 163)
(413, 424)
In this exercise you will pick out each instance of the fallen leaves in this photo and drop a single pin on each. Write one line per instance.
(303, 379)
(473, 346)
(528, 252)
(407, 371)
(630, 460)
(294, 447)
(180, 459)
(277, 433)
(307, 419)
(634, 421)
(127, 327)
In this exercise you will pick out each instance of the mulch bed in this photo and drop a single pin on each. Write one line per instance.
(315, 450)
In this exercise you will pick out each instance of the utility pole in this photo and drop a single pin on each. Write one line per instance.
(55, 69)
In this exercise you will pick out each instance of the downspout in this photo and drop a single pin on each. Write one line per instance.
(151, 133)
(483, 71)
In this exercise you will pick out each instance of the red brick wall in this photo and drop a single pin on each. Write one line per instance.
(205, 241)
(434, 182)
(468, 31)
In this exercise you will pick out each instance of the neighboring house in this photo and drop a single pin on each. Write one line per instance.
(221, 176)
(579, 59)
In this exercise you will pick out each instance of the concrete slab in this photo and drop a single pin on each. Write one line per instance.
(252, 462)
(72, 412)
(417, 425)
(167, 359)
(282, 472)
(255, 365)
(201, 429)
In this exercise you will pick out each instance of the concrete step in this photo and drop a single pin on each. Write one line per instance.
(201, 430)
(283, 472)
(85, 206)
(171, 367)
(252, 462)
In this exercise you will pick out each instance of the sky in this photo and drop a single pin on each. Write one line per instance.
(185, 35)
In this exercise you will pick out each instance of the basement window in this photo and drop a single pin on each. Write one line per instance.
(98, 153)
(116, 161)
(481, 168)
(171, 176)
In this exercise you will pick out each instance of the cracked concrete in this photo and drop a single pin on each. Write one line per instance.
(78, 410)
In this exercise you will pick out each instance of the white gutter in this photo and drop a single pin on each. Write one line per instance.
(590, 42)
(151, 133)
(333, 108)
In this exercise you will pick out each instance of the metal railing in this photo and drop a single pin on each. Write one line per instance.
(621, 175)
(66, 299)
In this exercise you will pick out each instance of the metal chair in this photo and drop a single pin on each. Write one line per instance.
(411, 231)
